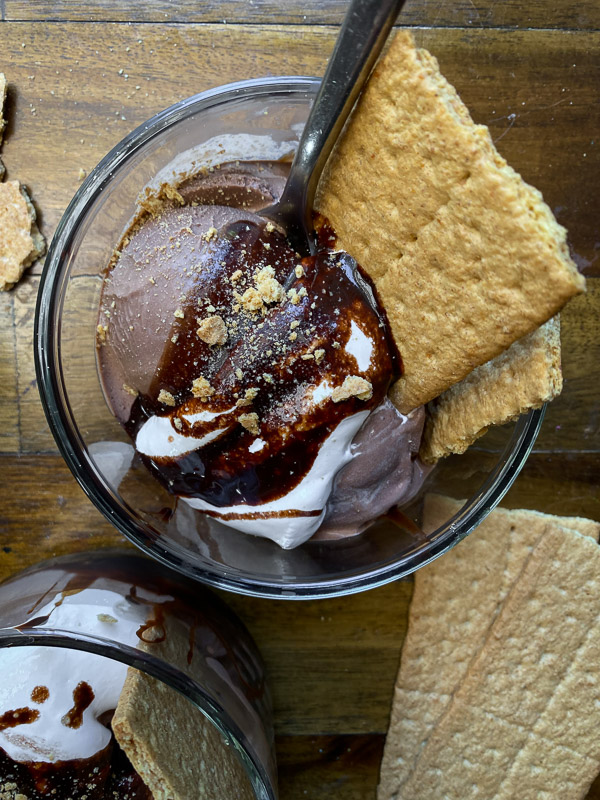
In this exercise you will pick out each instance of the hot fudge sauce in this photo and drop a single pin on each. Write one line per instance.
(241, 371)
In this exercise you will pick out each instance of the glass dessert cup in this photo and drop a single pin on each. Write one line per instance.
(257, 120)
(189, 643)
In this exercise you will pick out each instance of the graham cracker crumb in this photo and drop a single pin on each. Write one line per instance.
(101, 331)
(251, 300)
(319, 355)
(130, 390)
(211, 234)
(172, 193)
(250, 422)
(353, 386)
(249, 396)
(299, 270)
(153, 202)
(201, 388)
(213, 330)
(269, 288)
(166, 398)
(179, 314)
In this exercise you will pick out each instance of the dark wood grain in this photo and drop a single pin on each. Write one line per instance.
(345, 767)
(564, 14)
(45, 514)
(537, 90)
(331, 664)
(9, 404)
(546, 80)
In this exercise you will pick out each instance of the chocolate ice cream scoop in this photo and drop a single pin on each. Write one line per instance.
(384, 472)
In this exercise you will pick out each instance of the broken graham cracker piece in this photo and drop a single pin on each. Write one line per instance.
(525, 376)
(173, 747)
(455, 600)
(523, 721)
(466, 257)
(21, 243)
(176, 751)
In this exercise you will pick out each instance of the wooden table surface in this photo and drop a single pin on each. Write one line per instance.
(83, 74)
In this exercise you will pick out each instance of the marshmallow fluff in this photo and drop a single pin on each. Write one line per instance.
(46, 679)
(299, 513)
(289, 520)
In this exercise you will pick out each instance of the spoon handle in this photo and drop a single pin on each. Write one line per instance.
(364, 30)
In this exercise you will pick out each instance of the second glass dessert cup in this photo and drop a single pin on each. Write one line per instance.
(253, 120)
(195, 692)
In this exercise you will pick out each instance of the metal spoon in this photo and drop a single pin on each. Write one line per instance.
(364, 30)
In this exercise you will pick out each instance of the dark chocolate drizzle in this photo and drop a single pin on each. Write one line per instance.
(18, 716)
(264, 357)
(174, 251)
(83, 695)
(40, 694)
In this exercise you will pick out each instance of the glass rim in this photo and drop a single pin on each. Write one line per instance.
(161, 670)
(61, 422)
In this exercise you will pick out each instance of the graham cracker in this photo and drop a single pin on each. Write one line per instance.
(525, 376)
(523, 722)
(173, 747)
(466, 257)
(2, 120)
(455, 600)
(21, 243)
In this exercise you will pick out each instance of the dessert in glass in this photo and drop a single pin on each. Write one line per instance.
(120, 678)
(234, 408)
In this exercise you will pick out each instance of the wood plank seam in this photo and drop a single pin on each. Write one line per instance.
(262, 23)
